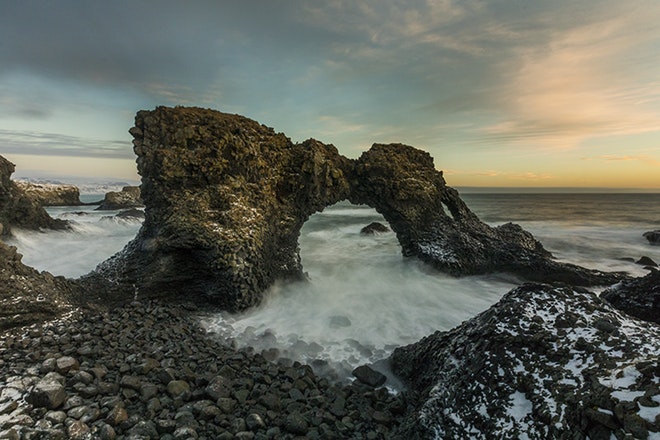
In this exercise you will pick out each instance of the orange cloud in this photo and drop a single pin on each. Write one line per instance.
(578, 87)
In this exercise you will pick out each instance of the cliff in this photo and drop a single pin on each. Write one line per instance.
(49, 194)
(18, 209)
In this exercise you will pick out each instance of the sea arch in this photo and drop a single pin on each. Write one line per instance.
(226, 197)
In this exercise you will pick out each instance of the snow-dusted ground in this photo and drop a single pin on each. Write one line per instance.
(542, 363)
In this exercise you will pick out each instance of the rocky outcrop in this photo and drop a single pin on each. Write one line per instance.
(28, 296)
(374, 228)
(544, 362)
(639, 297)
(652, 236)
(226, 198)
(19, 210)
(50, 194)
(128, 197)
(433, 224)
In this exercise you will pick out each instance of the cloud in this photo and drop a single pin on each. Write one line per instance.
(645, 159)
(52, 144)
(578, 85)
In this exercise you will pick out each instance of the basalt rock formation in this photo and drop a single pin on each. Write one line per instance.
(639, 297)
(128, 197)
(226, 197)
(17, 209)
(50, 194)
(28, 296)
(544, 362)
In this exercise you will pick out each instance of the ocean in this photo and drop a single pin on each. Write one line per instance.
(364, 298)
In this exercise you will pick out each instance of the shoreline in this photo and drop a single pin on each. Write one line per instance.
(149, 370)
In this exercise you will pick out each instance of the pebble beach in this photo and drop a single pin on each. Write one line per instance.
(150, 371)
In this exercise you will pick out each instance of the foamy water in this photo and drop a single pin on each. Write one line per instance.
(94, 236)
(363, 298)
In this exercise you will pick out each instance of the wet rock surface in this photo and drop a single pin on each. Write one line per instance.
(226, 198)
(374, 228)
(639, 297)
(544, 362)
(18, 209)
(149, 371)
(128, 197)
(652, 236)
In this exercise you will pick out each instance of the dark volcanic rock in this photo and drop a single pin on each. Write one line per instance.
(157, 374)
(374, 228)
(225, 199)
(653, 236)
(28, 296)
(128, 197)
(369, 376)
(646, 261)
(544, 362)
(49, 194)
(434, 224)
(132, 213)
(639, 297)
(19, 210)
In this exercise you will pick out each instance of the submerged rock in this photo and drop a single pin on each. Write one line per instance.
(131, 214)
(544, 362)
(639, 297)
(374, 228)
(652, 236)
(225, 198)
(646, 261)
(128, 197)
(18, 209)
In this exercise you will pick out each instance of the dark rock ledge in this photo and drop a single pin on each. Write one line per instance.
(225, 198)
(18, 209)
(544, 362)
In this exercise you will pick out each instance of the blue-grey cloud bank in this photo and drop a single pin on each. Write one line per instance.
(502, 93)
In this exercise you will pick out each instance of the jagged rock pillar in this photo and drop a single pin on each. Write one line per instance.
(225, 199)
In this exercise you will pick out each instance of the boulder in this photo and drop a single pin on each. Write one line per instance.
(17, 209)
(51, 194)
(646, 261)
(225, 198)
(544, 362)
(369, 376)
(128, 197)
(653, 236)
(374, 228)
(639, 297)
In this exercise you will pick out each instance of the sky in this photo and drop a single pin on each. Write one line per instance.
(502, 93)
